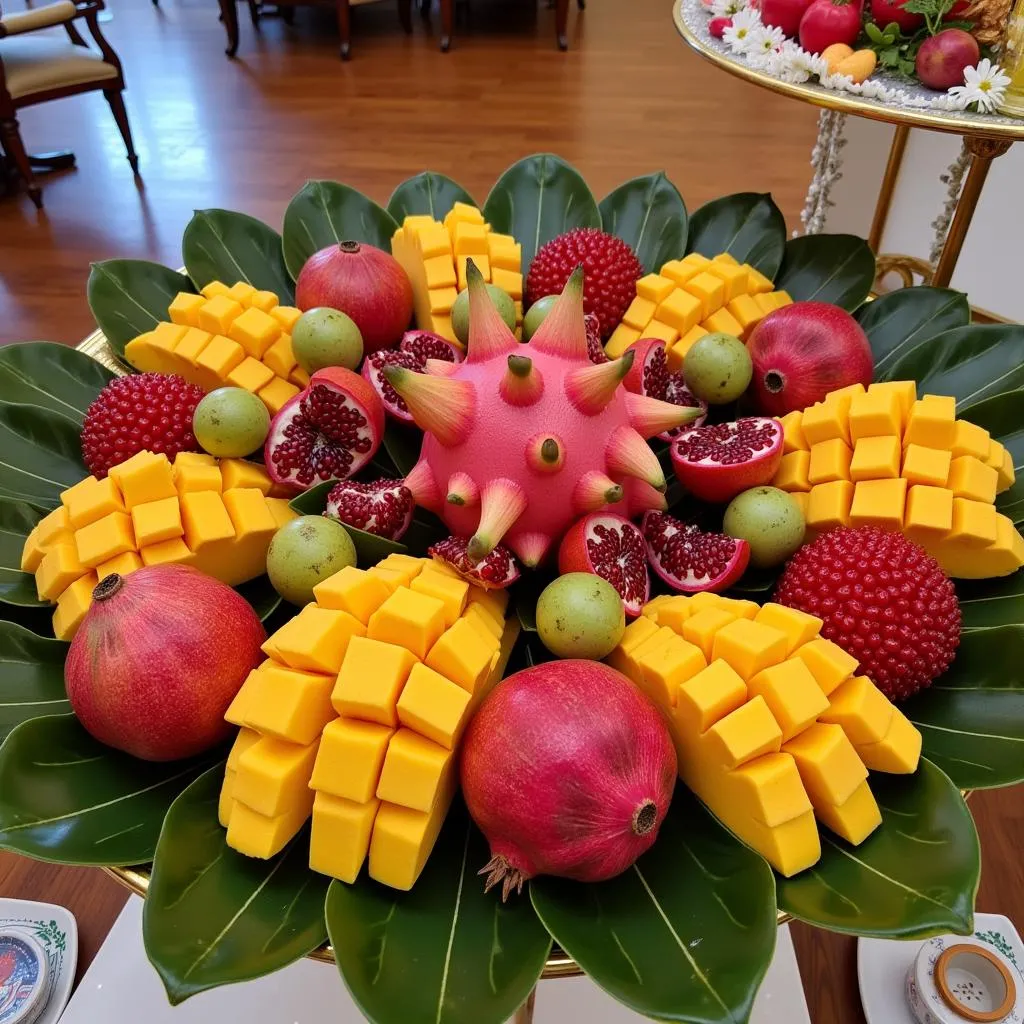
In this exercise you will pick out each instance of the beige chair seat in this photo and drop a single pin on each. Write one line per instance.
(48, 60)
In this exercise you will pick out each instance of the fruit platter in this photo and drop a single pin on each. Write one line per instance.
(474, 592)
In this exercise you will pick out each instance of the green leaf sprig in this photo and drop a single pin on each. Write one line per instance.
(933, 11)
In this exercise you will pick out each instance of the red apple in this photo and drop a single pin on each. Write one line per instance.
(830, 21)
(942, 58)
(784, 14)
(885, 12)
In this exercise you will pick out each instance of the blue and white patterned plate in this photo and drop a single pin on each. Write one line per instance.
(54, 930)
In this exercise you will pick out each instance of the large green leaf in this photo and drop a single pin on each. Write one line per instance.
(428, 193)
(324, 213)
(213, 916)
(260, 593)
(130, 297)
(40, 454)
(67, 798)
(686, 934)
(997, 602)
(971, 363)
(31, 676)
(972, 718)
(17, 519)
(540, 198)
(402, 444)
(53, 377)
(828, 268)
(1002, 416)
(443, 953)
(896, 322)
(221, 245)
(648, 213)
(748, 225)
(915, 876)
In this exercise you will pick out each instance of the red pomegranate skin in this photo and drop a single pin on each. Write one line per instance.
(154, 666)
(557, 763)
(366, 283)
(804, 351)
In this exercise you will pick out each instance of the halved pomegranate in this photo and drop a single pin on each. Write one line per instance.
(716, 463)
(611, 547)
(650, 375)
(327, 432)
(595, 350)
(383, 507)
(428, 345)
(689, 560)
(373, 367)
(495, 571)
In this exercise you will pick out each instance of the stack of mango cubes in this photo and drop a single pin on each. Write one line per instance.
(434, 254)
(882, 457)
(226, 337)
(217, 517)
(356, 716)
(772, 725)
(692, 297)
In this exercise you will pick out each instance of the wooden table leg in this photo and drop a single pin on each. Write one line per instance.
(524, 1015)
(983, 152)
(229, 15)
(405, 15)
(562, 24)
(345, 27)
(892, 173)
(447, 17)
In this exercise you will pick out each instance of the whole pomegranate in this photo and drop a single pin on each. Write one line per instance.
(568, 770)
(942, 58)
(157, 660)
(784, 14)
(830, 21)
(804, 351)
(885, 12)
(366, 283)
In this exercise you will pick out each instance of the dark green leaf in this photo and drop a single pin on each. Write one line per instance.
(443, 953)
(915, 876)
(995, 602)
(538, 199)
(17, 519)
(428, 193)
(40, 454)
(130, 297)
(324, 213)
(31, 676)
(649, 214)
(213, 916)
(220, 245)
(402, 443)
(261, 594)
(971, 363)
(896, 322)
(1003, 417)
(748, 225)
(53, 377)
(828, 268)
(67, 798)
(972, 718)
(686, 934)
(424, 530)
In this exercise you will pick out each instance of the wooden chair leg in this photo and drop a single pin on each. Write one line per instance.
(116, 100)
(562, 24)
(405, 15)
(10, 139)
(254, 14)
(447, 17)
(344, 27)
(229, 15)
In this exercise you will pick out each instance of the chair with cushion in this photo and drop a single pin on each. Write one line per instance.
(44, 57)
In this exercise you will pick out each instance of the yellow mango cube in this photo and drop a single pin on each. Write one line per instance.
(242, 292)
(905, 392)
(854, 820)
(73, 603)
(929, 513)
(792, 695)
(799, 627)
(483, 621)
(636, 633)
(702, 625)
(483, 264)
(350, 758)
(680, 310)
(216, 315)
(926, 465)
(280, 511)
(969, 477)
(621, 339)
(59, 568)
(289, 704)
(876, 458)
(92, 499)
(793, 439)
(509, 281)
(828, 505)
(743, 734)
(686, 341)
(875, 415)
(722, 321)
(243, 741)
(340, 836)
(241, 473)
(792, 474)
(226, 800)
(415, 621)
(469, 239)
(827, 421)
(994, 456)
(402, 840)
(442, 299)
(974, 523)
(828, 663)
(769, 790)
(277, 392)
(733, 276)
(250, 374)
(255, 331)
(392, 579)
(663, 332)
(53, 527)
(192, 344)
(757, 283)
(710, 290)
(655, 288)
(144, 477)
(264, 300)
(708, 697)
(434, 706)
(280, 356)
(830, 460)
(462, 655)
(640, 313)
(879, 503)
(970, 439)
(167, 551)
(184, 309)
(453, 593)
(154, 521)
(317, 638)
(439, 271)
(104, 539)
(371, 679)
(665, 668)
(123, 564)
(286, 316)
(354, 591)
(932, 422)
(898, 752)
(206, 521)
(273, 775)
(1000, 558)
(747, 312)
(828, 763)
(416, 771)
(680, 271)
(750, 647)
(257, 835)
(220, 357)
(1007, 472)
(863, 711)
(196, 476)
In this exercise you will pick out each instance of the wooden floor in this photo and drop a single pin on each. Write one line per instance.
(628, 98)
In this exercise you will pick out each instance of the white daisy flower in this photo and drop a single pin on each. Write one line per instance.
(797, 65)
(984, 85)
(736, 36)
(763, 41)
(727, 8)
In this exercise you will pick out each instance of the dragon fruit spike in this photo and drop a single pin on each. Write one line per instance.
(545, 453)
(489, 335)
(628, 454)
(420, 480)
(444, 406)
(502, 502)
(594, 490)
(462, 490)
(522, 383)
(441, 367)
(590, 388)
(642, 497)
(563, 332)
(531, 548)
(652, 416)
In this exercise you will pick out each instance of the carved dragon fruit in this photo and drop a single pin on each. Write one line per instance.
(521, 440)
